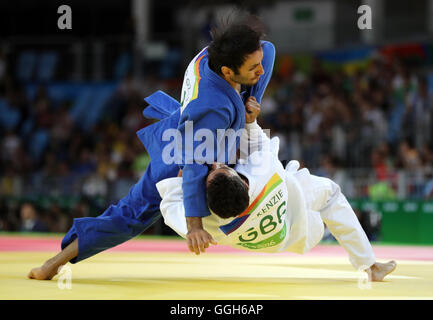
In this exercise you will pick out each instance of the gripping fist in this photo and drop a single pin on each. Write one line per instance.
(252, 109)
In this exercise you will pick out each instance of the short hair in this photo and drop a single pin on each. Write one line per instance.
(227, 195)
(232, 41)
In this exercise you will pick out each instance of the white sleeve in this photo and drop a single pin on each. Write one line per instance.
(254, 139)
(171, 206)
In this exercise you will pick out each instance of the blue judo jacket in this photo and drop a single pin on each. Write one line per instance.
(214, 105)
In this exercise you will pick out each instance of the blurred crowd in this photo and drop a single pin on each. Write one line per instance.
(79, 173)
(378, 118)
(377, 121)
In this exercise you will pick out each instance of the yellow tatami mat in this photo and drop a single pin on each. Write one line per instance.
(220, 276)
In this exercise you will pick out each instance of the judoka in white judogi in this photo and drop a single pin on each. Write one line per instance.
(287, 207)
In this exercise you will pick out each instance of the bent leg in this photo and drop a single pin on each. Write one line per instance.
(120, 222)
(342, 222)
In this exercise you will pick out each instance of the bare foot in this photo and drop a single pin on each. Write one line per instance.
(45, 272)
(378, 271)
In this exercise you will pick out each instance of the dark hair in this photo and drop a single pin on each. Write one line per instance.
(227, 195)
(232, 41)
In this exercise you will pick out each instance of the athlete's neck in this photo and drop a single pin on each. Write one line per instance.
(234, 85)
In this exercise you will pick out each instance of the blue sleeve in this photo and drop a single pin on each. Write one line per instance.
(268, 65)
(194, 190)
(195, 171)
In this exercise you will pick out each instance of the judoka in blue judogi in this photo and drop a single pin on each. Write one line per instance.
(208, 102)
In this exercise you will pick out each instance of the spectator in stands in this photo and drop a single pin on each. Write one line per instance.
(86, 164)
(374, 123)
(419, 109)
(95, 185)
(44, 117)
(9, 145)
(10, 183)
(408, 157)
(330, 168)
(9, 215)
(428, 189)
(81, 209)
(380, 162)
(62, 127)
(427, 155)
(133, 120)
(30, 219)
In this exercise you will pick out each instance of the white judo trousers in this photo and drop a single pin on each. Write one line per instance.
(325, 196)
(287, 208)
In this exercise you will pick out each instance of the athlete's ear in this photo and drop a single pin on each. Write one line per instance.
(227, 72)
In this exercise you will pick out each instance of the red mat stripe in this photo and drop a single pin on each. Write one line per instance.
(52, 244)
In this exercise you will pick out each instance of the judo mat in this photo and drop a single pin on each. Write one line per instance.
(164, 269)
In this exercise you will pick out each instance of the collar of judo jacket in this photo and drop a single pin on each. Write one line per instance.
(222, 84)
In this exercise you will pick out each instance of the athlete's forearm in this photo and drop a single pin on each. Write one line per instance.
(255, 138)
(194, 190)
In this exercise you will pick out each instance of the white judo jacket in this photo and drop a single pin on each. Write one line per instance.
(287, 210)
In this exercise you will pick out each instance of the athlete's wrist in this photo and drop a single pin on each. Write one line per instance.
(194, 223)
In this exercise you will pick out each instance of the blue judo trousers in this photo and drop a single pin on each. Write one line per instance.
(140, 208)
